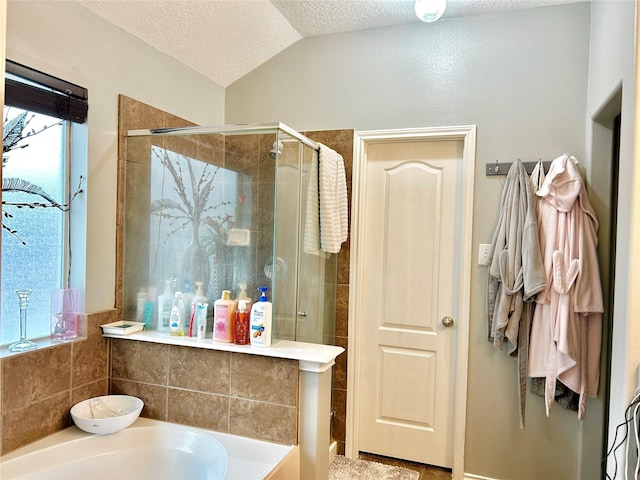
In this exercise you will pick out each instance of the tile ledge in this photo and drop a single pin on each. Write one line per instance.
(41, 343)
(312, 357)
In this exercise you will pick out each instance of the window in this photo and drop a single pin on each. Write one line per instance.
(37, 187)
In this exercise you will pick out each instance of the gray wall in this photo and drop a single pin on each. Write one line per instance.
(522, 78)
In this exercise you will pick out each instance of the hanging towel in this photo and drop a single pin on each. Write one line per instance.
(334, 209)
(312, 214)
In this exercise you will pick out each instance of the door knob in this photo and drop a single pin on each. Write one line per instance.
(447, 321)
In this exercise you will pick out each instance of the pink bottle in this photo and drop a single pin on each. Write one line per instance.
(223, 314)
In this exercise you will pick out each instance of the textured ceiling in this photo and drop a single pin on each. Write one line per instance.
(226, 39)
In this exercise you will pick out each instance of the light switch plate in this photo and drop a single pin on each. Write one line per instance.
(483, 254)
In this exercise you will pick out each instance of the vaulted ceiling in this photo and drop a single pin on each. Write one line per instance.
(226, 39)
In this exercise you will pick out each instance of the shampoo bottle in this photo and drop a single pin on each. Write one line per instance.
(176, 320)
(164, 308)
(199, 297)
(223, 310)
(241, 324)
(261, 321)
(187, 298)
(141, 299)
(148, 314)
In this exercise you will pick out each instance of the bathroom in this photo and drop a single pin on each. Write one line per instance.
(530, 98)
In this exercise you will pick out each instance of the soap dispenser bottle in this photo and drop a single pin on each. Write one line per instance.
(261, 321)
(176, 320)
(241, 324)
(164, 308)
(199, 297)
(243, 296)
(223, 310)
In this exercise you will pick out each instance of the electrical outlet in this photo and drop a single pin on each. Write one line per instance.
(483, 254)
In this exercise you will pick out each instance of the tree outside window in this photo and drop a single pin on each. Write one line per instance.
(33, 237)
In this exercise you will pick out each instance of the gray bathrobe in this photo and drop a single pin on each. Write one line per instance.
(516, 272)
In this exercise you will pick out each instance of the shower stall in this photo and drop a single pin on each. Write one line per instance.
(221, 208)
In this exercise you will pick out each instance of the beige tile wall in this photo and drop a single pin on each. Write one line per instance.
(241, 394)
(39, 387)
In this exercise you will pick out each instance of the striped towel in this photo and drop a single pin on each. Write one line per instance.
(334, 209)
(312, 214)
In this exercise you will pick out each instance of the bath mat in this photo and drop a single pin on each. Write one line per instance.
(343, 468)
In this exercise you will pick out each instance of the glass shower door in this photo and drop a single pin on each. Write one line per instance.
(303, 281)
(315, 315)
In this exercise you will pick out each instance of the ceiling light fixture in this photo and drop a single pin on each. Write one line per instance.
(430, 10)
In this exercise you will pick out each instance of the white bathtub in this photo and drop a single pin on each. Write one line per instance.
(150, 449)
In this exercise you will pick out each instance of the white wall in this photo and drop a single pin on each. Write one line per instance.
(522, 78)
(65, 40)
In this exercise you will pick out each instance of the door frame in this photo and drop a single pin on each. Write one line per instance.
(466, 134)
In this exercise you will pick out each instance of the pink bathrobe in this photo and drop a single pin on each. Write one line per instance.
(567, 325)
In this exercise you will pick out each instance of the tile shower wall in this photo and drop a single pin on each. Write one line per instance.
(136, 115)
(39, 387)
(241, 394)
(246, 155)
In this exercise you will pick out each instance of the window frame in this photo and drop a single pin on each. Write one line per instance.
(40, 93)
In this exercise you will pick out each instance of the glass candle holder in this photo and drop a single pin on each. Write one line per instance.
(23, 344)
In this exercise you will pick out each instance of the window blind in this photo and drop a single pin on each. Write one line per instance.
(44, 93)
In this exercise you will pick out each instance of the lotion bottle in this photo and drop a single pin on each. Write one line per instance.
(223, 310)
(260, 335)
(199, 297)
(164, 308)
(176, 320)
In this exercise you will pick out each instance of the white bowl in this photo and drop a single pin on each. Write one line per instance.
(107, 414)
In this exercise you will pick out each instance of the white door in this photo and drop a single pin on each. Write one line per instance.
(410, 290)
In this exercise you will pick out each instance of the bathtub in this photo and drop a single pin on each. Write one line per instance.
(150, 449)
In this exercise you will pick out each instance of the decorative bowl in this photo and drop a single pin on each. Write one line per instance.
(107, 414)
